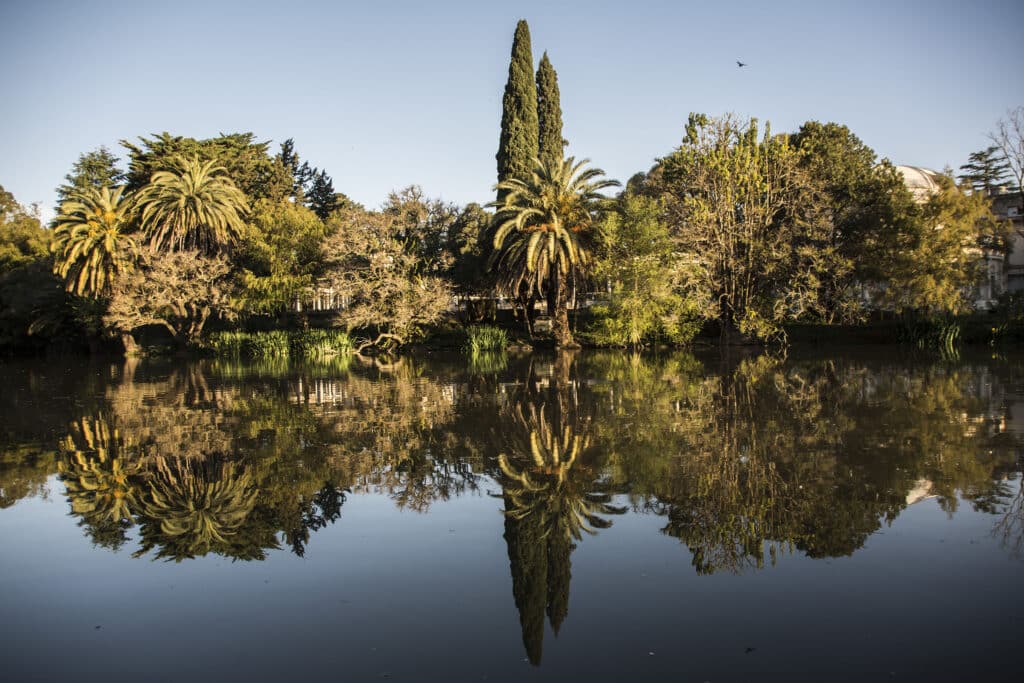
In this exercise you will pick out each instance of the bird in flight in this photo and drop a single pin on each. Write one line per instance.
(740, 64)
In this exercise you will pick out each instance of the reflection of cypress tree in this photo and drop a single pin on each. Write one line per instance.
(560, 547)
(528, 561)
(548, 504)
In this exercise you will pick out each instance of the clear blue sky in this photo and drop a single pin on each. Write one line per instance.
(385, 94)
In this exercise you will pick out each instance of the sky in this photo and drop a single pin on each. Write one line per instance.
(385, 94)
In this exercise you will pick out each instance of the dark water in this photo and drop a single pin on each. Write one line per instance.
(587, 517)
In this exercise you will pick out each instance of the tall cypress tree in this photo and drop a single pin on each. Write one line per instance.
(519, 131)
(549, 113)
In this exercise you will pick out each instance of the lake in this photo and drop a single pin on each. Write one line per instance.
(604, 516)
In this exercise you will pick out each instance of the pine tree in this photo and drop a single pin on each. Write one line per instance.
(519, 130)
(321, 198)
(94, 170)
(985, 170)
(549, 114)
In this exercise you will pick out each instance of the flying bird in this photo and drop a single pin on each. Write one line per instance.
(740, 64)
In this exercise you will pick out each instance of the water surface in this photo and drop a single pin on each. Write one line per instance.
(617, 517)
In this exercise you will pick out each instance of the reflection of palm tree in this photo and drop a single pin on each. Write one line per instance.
(195, 507)
(97, 476)
(549, 502)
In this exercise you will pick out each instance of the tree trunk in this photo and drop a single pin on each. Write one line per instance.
(560, 321)
(131, 347)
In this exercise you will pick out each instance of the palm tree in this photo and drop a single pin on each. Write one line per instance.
(194, 206)
(542, 230)
(89, 243)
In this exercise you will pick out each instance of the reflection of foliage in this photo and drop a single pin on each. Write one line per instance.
(23, 472)
(549, 485)
(97, 471)
(1010, 526)
(195, 507)
(313, 515)
(813, 456)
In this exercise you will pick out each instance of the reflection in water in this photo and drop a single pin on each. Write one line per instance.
(194, 507)
(552, 489)
(744, 461)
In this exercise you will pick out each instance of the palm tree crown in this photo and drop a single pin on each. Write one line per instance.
(89, 243)
(542, 229)
(194, 206)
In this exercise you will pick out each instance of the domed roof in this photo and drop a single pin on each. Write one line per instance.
(922, 182)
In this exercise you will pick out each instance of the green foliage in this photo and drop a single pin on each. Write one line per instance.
(246, 162)
(485, 338)
(22, 238)
(372, 264)
(542, 233)
(96, 170)
(931, 334)
(518, 145)
(985, 170)
(312, 344)
(749, 223)
(195, 205)
(635, 260)
(549, 114)
(940, 267)
(90, 243)
(279, 254)
(321, 197)
(468, 246)
(32, 297)
(873, 214)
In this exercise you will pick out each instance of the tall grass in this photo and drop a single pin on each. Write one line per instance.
(278, 344)
(485, 338)
(932, 334)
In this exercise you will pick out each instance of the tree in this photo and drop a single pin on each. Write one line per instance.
(96, 169)
(90, 243)
(32, 298)
(321, 197)
(22, 237)
(549, 113)
(245, 161)
(747, 220)
(177, 290)
(518, 145)
(280, 255)
(985, 170)
(634, 258)
(368, 264)
(1009, 138)
(871, 211)
(942, 265)
(542, 233)
(193, 206)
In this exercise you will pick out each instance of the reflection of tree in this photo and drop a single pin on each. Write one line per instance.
(23, 472)
(193, 507)
(1009, 528)
(553, 492)
(813, 456)
(97, 469)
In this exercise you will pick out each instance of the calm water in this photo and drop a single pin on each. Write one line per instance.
(596, 516)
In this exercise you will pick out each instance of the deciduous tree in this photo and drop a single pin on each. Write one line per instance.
(749, 222)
